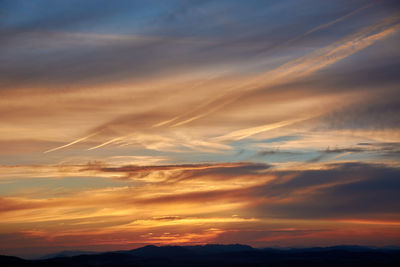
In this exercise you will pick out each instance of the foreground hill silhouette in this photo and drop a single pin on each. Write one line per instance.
(221, 255)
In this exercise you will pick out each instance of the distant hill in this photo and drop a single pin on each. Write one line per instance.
(219, 255)
(67, 253)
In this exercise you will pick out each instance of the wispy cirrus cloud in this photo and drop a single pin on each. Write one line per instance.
(303, 66)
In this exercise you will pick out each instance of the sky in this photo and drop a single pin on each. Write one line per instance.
(267, 123)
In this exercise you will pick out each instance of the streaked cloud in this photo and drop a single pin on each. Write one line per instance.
(246, 196)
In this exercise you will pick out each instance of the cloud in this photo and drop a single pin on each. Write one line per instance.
(275, 152)
(342, 191)
(178, 173)
(126, 115)
(306, 65)
(231, 197)
(285, 190)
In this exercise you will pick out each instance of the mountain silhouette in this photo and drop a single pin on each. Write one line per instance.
(67, 253)
(219, 255)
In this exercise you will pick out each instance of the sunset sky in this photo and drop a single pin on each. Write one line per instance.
(267, 123)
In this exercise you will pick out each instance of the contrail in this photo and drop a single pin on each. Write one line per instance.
(70, 144)
(317, 28)
(199, 107)
(108, 142)
(166, 122)
(320, 27)
(244, 133)
(326, 25)
(305, 65)
(297, 68)
(211, 110)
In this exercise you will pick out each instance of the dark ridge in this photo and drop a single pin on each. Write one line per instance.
(67, 253)
(221, 256)
(11, 261)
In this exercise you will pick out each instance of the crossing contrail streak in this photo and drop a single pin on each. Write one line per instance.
(70, 144)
